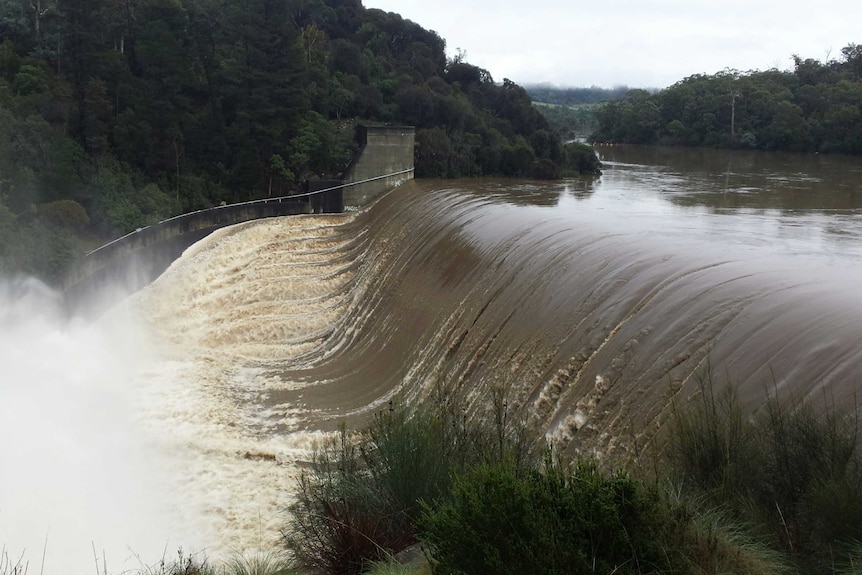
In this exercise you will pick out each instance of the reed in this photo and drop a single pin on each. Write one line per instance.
(360, 500)
(791, 469)
(10, 566)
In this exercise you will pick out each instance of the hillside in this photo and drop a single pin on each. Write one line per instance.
(817, 107)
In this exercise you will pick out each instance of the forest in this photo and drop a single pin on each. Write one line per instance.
(115, 114)
(550, 94)
(813, 108)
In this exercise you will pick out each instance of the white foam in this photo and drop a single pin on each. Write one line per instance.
(151, 429)
(78, 473)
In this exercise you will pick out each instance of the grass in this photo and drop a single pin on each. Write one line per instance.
(462, 478)
(772, 492)
(713, 542)
(391, 566)
(10, 566)
(360, 501)
(791, 470)
(273, 562)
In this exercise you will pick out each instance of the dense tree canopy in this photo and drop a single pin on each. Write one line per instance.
(133, 110)
(816, 107)
(551, 94)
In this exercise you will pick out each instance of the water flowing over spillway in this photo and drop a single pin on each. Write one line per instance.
(287, 327)
(264, 337)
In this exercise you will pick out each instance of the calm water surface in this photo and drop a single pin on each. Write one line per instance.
(787, 203)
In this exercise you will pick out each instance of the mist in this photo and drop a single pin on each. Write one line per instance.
(82, 480)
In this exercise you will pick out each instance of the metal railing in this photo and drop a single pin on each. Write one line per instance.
(278, 199)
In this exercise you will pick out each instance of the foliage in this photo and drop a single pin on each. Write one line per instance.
(391, 566)
(258, 563)
(791, 469)
(138, 111)
(183, 564)
(710, 541)
(580, 159)
(814, 108)
(360, 500)
(254, 563)
(570, 122)
(552, 521)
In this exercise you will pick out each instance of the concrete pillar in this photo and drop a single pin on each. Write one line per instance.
(383, 150)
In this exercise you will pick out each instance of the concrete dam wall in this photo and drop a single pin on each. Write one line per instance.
(132, 262)
(105, 275)
(383, 150)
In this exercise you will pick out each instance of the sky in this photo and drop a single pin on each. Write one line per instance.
(637, 43)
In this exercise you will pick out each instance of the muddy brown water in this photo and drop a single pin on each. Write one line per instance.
(596, 302)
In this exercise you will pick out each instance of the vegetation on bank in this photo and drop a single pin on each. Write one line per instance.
(569, 111)
(570, 122)
(773, 492)
(126, 113)
(817, 107)
(461, 485)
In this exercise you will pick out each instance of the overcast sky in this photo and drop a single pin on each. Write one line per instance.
(639, 43)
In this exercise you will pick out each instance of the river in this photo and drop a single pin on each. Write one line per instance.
(180, 418)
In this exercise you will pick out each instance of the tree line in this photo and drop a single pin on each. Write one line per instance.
(118, 113)
(813, 108)
(550, 94)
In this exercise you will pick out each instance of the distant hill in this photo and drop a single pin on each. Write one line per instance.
(550, 94)
(816, 107)
(570, 111)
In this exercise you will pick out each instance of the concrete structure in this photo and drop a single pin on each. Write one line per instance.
(329, 200)
(127, 264)
(383, 150)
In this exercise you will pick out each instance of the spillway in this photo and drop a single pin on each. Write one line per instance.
(287, 327)
(268, 335)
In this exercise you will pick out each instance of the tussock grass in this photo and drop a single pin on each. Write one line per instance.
(791, 470)
(712, 542)
(272, 562)
(391, 566)
(11, 566)
(183, 564)
(361, 499)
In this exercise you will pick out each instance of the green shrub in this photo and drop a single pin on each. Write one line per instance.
(339, 523)
(580, 159)
(359, 501)
(790, 469)
(184, 564)
(713, 445)
(499, 521)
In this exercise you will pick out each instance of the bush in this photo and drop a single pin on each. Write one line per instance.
(580, 159)
(791, 469)
(500, 521)
(360, 500)
(713, 444)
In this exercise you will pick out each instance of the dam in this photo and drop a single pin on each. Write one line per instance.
(384, 160)
(595, 304)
